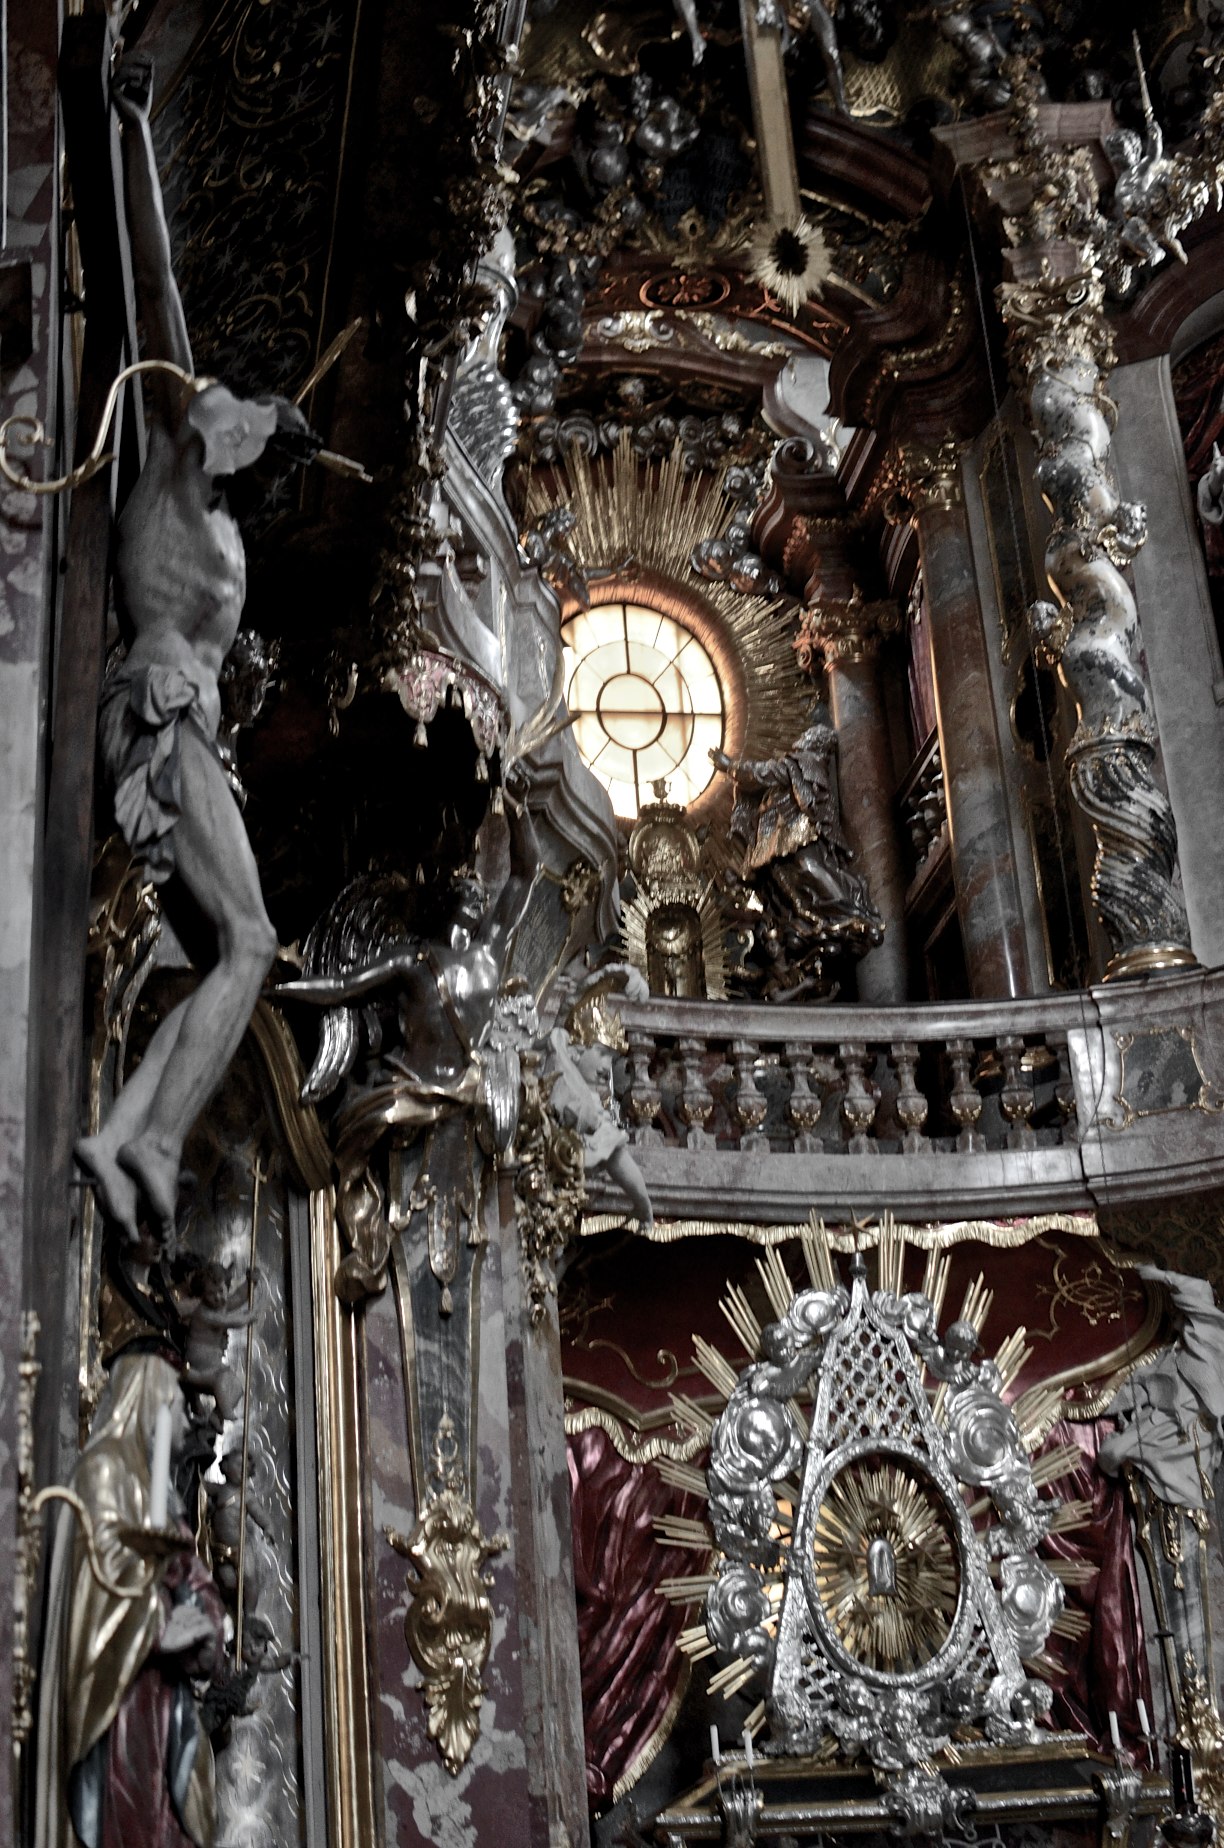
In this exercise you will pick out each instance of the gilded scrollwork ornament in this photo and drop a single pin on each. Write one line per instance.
(549, 1186)
(1200, 1730)
(449, 1622)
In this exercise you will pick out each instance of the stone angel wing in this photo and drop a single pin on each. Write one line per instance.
(366, 919)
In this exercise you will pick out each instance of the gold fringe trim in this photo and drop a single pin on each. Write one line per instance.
(658, 1738)
(634, 1449)
(931, 1235)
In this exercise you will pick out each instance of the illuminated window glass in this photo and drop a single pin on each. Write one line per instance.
(646, 703)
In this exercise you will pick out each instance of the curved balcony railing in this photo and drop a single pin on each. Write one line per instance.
(746, 1111)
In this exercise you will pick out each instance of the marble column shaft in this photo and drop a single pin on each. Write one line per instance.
(988, 897)
(848, 635)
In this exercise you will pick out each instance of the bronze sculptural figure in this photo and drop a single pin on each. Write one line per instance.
(798, 862)
(180, 584)
(434, 995)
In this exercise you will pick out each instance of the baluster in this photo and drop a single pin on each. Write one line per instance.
(696, 1100)
(963, 1099)
(804, 1109)
(749, 1105)
(1016, 1099)
(1064, 1087)
(911, 1106)
(861, 1101)
(644, 1098)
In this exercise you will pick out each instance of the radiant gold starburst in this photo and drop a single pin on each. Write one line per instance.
(791, 260)
(900, 1626)
(637, 523)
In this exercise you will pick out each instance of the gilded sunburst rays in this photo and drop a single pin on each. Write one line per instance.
(884, 1553)
(791, 260)
(885, 1566)
(639, 520)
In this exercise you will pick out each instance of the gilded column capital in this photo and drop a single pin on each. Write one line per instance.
(921, 476)
(844, 631)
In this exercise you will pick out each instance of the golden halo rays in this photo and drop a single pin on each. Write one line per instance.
(643, 518)
(899, 1629)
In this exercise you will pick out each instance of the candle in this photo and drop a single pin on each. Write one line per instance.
(1114, 1734)
(748, 1747)
(159, 1487)
(1145, 1725)
(715, 1754)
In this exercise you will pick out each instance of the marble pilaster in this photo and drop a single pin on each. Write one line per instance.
(1180, 647)
(988, 897)
(523, 1781)
(848, 636)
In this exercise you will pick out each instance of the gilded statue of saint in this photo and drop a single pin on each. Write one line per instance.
(124, 1760)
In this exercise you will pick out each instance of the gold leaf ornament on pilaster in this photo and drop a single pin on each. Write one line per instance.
(549, 1187)
(1201, 1732)
(449, 1622)
(844, 631)
(921, 477)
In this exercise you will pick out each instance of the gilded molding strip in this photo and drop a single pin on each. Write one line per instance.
(632, 1449)
(1002, 1234)
(348, 1718)
(298, 1123)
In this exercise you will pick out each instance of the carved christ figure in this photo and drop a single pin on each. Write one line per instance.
(180, 584)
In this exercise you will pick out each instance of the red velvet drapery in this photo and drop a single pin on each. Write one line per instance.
(631, 1665)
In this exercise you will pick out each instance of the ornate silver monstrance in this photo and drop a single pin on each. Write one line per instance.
(876, 1516)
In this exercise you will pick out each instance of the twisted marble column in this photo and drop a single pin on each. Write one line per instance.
(1061, 353)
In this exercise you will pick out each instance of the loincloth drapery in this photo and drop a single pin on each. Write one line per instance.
(144, 707)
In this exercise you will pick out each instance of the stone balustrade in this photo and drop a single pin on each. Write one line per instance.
(740, 1110)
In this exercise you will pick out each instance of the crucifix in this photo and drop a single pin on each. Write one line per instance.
(765, 35)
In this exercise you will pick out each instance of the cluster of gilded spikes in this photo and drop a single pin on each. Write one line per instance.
(1035, 1412)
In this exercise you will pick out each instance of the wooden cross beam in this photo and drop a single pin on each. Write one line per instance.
(770, 109)
(91, 146)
